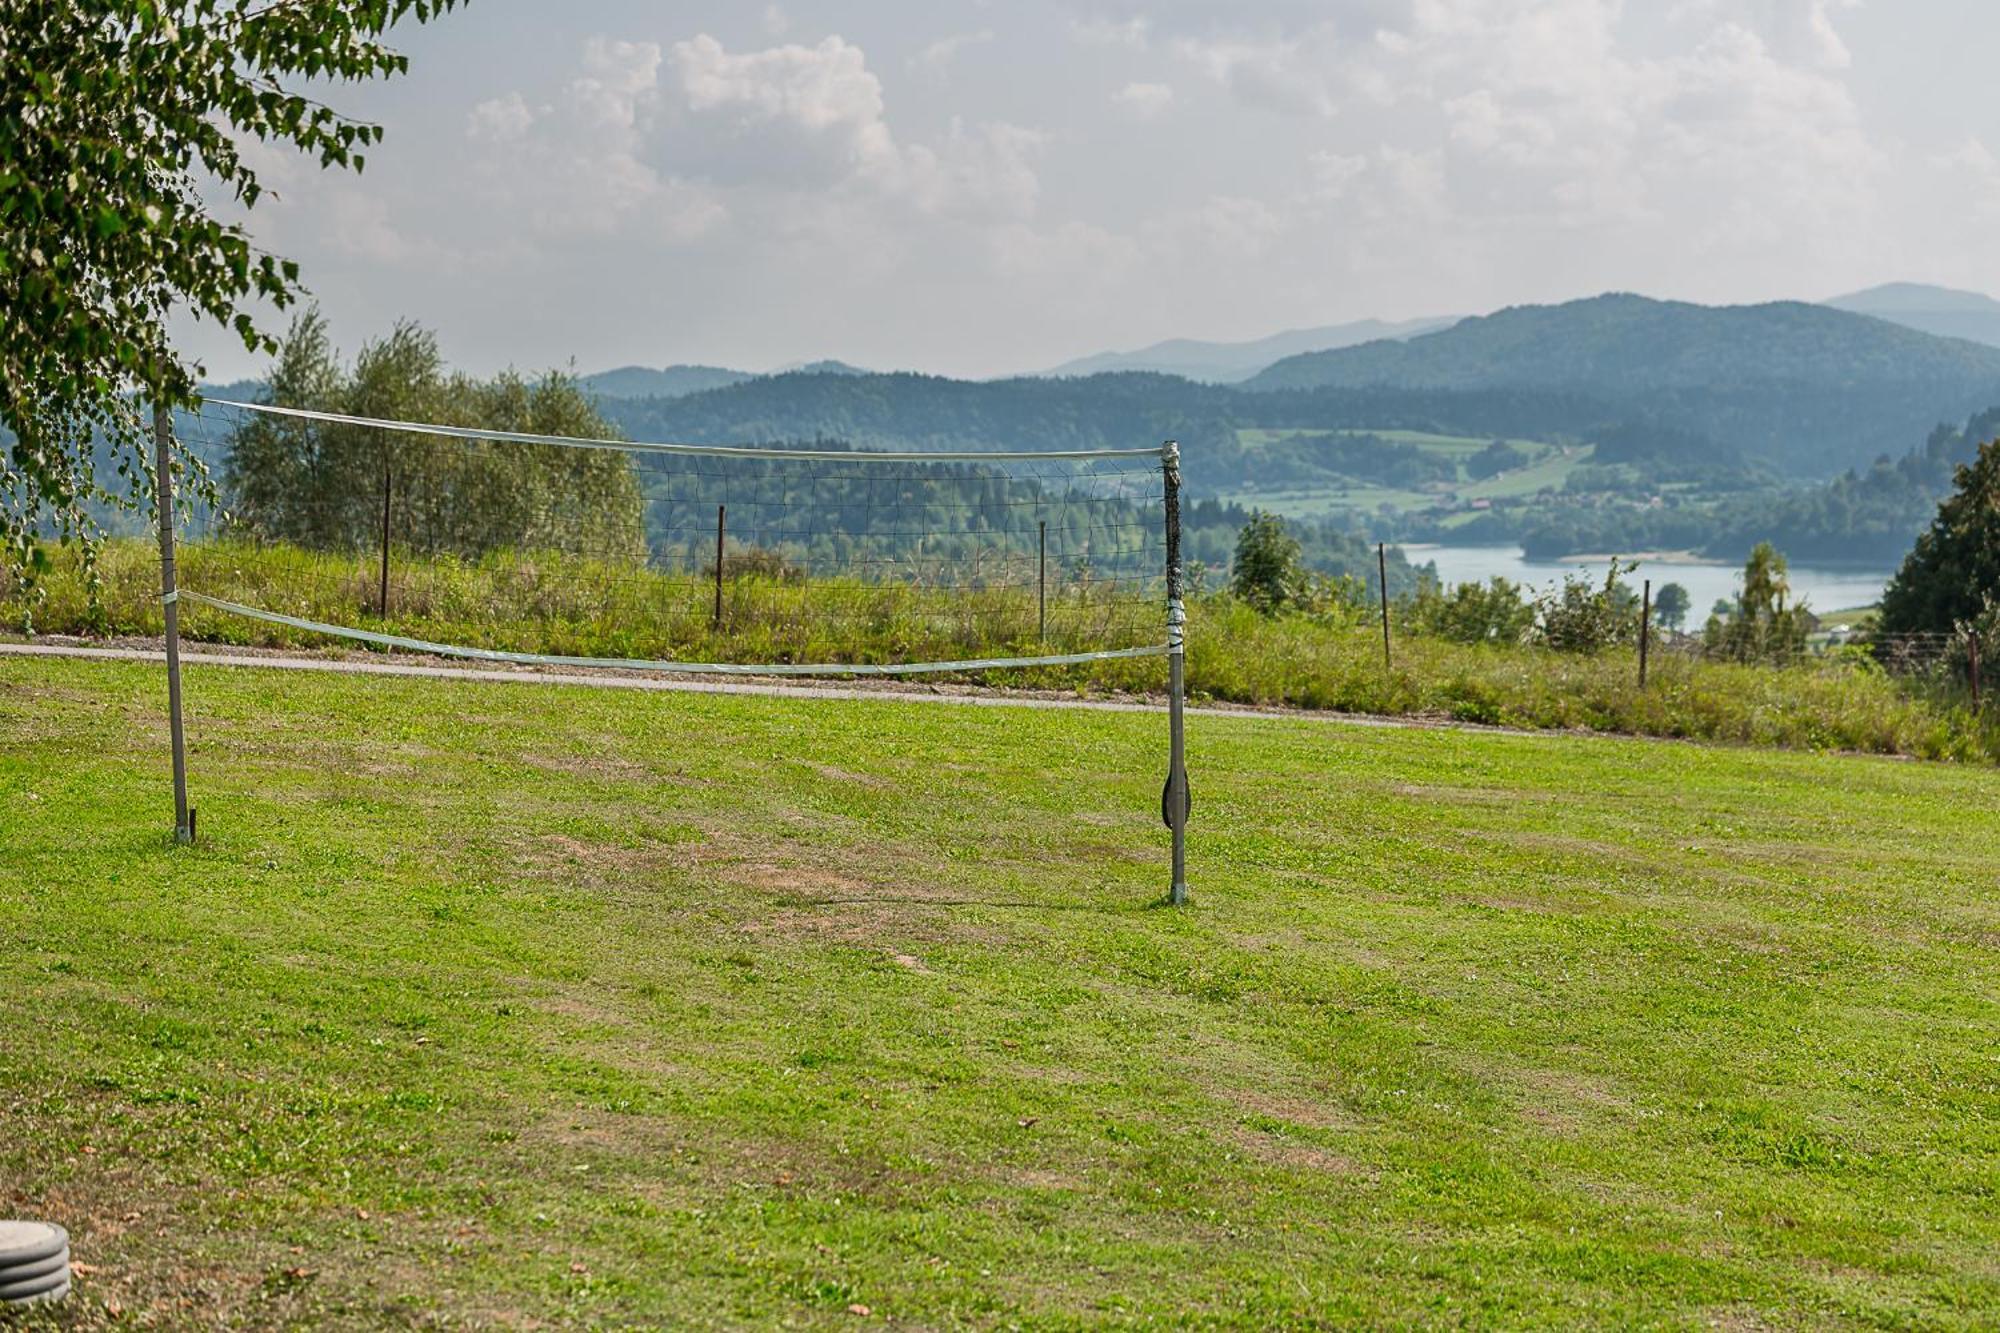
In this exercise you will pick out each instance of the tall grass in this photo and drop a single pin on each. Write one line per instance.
(572, 605)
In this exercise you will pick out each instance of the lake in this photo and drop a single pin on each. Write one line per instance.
(1822, 589)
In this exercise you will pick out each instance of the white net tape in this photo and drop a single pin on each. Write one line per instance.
(653, 664)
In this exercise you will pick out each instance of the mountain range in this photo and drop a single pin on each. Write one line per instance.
(1799, 390)
(666, 382)
(1938, 310)
(1644, 424)
(1227, 362)
(1800, 387)
(1618, 344)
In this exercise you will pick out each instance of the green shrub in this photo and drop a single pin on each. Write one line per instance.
(1581, 617)
(1492, 612)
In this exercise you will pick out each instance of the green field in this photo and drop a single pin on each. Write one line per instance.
(508, 1004)
(1550, 468)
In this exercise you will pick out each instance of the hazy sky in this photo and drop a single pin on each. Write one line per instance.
(973, 188)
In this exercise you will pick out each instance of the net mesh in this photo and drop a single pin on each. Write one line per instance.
(803, 558)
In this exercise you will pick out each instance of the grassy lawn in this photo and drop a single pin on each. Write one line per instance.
(508, 1004)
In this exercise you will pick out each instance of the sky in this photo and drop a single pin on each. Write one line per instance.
(978, 189)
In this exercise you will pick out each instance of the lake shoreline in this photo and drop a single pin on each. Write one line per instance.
(1706, 581)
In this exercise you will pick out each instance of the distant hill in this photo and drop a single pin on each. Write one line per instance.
(1938, 310)
(1102, 411)
(666, 382)
(1225, 363)
(1804, 387)
(821, 368)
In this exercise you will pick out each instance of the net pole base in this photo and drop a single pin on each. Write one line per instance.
(1177, 802)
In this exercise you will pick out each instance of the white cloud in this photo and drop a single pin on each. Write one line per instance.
(986, 172)
(1136, 32)
(579, 166)
(1333, 172)
(815, 118)
(785, 142)
(810, 115)
(934, 60)
(1349, 157)
(1799, 31)
(1274, 75)
(500, 119)
(1144, 101)
(617, 78)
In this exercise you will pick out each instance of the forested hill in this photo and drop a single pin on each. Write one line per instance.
(666, 382)
(1125, 411)
(1810, 389)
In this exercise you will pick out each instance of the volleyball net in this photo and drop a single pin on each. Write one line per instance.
(802, 558)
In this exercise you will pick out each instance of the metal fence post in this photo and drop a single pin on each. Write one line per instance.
(1382, 573)
(388, 487)
(721, 511)
(1972, 656)
(163, 497)
(1645, 628)
(1042, 586)
(1175, 802)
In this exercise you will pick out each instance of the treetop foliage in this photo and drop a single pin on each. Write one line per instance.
(1670, 605)
(1953, 572)
(1269, 568)
(322, 484)
(1270, 572)
(1765, 625)
(117, 117)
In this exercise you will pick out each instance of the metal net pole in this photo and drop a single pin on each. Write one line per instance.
(163, 498)
(1175, 800)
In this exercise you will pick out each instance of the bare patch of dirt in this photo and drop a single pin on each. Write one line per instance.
(1507, 903)
(1293, 1110)
(1465, 795)
(885, 927)
(1277, 1150)
(1560, 1101)
(602, 864)
(833, 774)
(799, 879)
(598, 765)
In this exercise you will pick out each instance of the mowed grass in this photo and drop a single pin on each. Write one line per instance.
(510, 1004)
